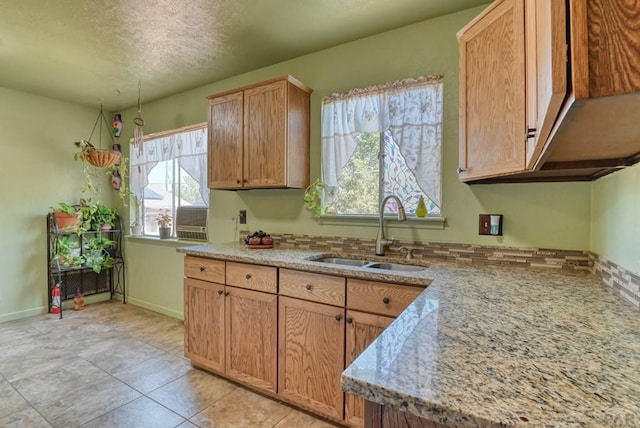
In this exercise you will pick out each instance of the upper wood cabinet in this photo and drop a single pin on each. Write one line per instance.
(259, 136)
(492, 92)
(547, 91)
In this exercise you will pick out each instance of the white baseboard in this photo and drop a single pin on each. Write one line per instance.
(32, 312)
(156, 308)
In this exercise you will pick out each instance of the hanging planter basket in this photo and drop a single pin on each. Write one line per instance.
(102, 158)
(99, 158)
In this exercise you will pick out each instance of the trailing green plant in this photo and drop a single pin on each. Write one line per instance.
(314, 197)
(96, 253)
(91, 177)
(96, 214)
(67, 251)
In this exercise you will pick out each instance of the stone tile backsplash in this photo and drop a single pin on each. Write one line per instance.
(465, 253)
(613, 275)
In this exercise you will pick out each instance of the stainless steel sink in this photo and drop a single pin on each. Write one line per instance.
(395, 266)
(342, 261)
(369, 264)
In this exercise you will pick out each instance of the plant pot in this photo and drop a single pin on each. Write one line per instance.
(67, 222)
(136, 229)
(105, 227)
(165, 232)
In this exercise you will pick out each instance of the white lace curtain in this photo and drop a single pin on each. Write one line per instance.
(189, 147)
(410, 109)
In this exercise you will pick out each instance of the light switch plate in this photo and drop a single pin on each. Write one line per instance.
(484, 225)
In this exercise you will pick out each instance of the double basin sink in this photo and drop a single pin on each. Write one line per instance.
(369, 264)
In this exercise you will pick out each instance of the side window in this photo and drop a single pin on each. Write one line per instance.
(169, 170)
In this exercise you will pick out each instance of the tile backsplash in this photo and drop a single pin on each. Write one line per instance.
(464, 253)
(613, 275)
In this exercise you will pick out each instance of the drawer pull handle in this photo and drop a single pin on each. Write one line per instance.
(201, 268)
(309, 287)
(385, 300)
(338, 317)
(349, 320)
(220, 292)
(248, 276)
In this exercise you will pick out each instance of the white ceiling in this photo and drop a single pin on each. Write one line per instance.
(95, 52)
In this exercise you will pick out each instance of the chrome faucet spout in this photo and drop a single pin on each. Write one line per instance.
(381, 242)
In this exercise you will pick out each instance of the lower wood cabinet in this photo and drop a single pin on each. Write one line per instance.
(204, 323)
(311, 355)
(232, 331)
(287, 333)
(378, 416)
(362, 329)
(251, 319)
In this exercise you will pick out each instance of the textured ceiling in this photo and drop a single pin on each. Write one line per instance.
(96, 51)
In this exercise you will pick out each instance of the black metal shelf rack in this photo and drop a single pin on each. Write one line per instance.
(83, 278)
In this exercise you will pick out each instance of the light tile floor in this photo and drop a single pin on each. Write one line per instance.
(115, 365)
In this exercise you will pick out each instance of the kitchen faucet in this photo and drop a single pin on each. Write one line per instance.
(381, 242)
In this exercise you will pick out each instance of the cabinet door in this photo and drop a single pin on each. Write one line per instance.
(546, 39)
(362, 329)
(225, 141)
(265, 135)
(311, 355)
(251, 336)
(492, 92)
(204, 323)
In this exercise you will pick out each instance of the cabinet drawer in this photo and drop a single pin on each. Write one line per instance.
(204, 269)
(253, 277)
(313, 286)
(380, 297)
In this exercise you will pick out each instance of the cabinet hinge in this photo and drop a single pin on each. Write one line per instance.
(530, 133)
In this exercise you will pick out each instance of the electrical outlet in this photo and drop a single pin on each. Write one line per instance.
(243, 217)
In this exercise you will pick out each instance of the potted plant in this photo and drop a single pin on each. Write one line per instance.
(105, 217)
(164, 224)
(96, 253)
(96, 216)
(136, 226)
(67, 252)
(67, 217)
(314, 197)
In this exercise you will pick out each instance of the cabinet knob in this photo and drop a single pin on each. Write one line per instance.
(220, 292)
(244, 180)
(460, 170)
(349, 320)
(238, 181)
(385, 300)
(248, 276)
(308, 287)
(201, 268)
(226, 293)
(338, 317)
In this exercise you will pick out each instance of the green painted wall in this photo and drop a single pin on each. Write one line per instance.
(37, 136)
(536, 215)
(615, 222)
(38, 171)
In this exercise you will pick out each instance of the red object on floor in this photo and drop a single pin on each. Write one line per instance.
(55, 299)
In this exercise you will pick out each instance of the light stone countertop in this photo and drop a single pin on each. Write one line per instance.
(493, 346)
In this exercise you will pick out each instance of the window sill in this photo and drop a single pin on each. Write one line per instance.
(413, 222)
(154, 240)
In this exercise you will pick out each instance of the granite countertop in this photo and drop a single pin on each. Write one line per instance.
(304, 260)
(494, 346)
